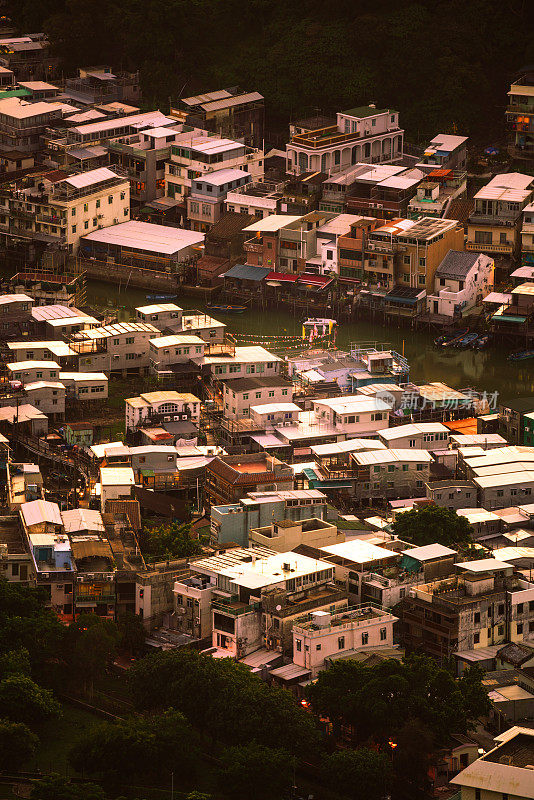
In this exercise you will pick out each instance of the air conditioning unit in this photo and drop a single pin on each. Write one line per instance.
(115, 221)
(183, 416)
(100, 216)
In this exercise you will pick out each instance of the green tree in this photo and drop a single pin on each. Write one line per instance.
(132, 633)
(168, 541)
(22, 700)
(90, 646)
(222, 699)
(252, 771)
(138, 746)
(17, 744)
(411, 759)
(377, 701)
(360, 774)
(55, 787)
(15, 662)
(433, 524)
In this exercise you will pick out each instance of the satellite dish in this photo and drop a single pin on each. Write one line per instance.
(278, 607)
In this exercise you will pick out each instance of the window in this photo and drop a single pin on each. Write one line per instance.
(519, 627)
(86, 207)
(520, 608)
(95, 221)
(129, 340)
(341, 643)
(365, 638)
(502, 238)
(98, 203)
(284, 392)
(476, 618)
(86, 224)
(74, 228)
(258, 395)
(317, 646)
(298, 643)
(125, 212)
(383, 634)
(73, 212)
(110, 199)
(500, 610)
(476, 638)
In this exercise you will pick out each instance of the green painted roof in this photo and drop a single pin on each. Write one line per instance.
(15, 93)
(365, 111)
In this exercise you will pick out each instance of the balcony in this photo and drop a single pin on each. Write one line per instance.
(52, 220)
(481, 247)
(92, 599)
(331, 136)
(234, 607)
(520, 108)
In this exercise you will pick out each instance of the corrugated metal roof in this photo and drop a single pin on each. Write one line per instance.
(39, 511)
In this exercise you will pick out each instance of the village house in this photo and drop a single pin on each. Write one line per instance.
(85, 385)
(154, 407)
(32, 371)
(121, 348)
(229, 478)
(421, 435)
(363, 134)
(53, 562)
(233, 522)
(462, 280)
(48, 397)
(205, 203)
(166, 351)
(340, 634)
(391, 473)
(353, 415)
(239, 394)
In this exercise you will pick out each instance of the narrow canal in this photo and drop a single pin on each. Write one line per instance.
(488, 370)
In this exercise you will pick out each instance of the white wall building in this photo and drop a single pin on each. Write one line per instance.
(162, 404)
(354, 415)
(327, 635)
(420, 435)
(242, 393)
(85, 385)
(123, 347)
(364, 134)
(175, 349)
(461, 282)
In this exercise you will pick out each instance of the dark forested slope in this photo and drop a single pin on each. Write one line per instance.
(444, 64)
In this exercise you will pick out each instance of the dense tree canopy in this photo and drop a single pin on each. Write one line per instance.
(360, 774)
(168, 541)
(138, 747)
(445, 64)
(23, 700)
(17, 744)
(55, 787)
(433, 524)
(378, 701)
(222, 699)
(252, 771)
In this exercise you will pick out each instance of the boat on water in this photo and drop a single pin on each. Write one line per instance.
(454, 338)
(466, 341)
(481, 343)
(441, 341)
(222, 309)
(521, 355)
(161, 296)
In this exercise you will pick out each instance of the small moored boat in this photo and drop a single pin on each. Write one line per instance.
(521, 355)
(222, 309)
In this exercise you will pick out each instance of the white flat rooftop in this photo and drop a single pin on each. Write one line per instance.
(359, 552)
(147, 236)
(272, 223)
(221, 176)
(90, 177)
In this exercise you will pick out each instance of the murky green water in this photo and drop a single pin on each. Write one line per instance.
(486, 371)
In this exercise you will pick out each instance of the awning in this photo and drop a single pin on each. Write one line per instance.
(164, 203)
(319, 281)
(247, 272)
(508, 318)
(91, 549)
(282, 277)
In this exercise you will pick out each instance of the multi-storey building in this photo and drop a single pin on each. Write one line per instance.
(445, 151)
(52, 559)
(434, 194)
(421, 435)
(259, 199)
(505, 770)
(242, 393)
(527, 240)
(208, 193)
(194, 156)
(229, 478)
(121, 348)
(520, 117)
(44, 209)
(340, 633)
(142, 156)
(167, 351)
(462, 280)
(255, 596)
(353, 415)
(364, 134)
(233, 522)
(483, 604)
(495, 224)
(151, 407)
(232, 112)
(22, 123)
(16, 315)
(391, 473)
